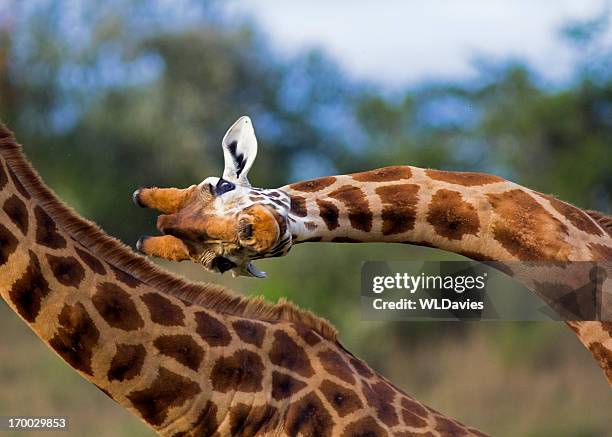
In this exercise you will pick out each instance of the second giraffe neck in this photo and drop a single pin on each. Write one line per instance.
(478, 215)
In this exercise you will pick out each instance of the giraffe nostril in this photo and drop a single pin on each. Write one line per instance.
(222, 264)
(136, 198)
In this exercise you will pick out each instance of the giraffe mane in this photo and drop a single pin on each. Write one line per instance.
(207, 295)
(605, 221)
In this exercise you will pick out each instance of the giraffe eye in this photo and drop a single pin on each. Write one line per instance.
(223, 187)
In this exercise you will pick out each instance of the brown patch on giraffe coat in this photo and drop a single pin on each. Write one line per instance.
(242, 371)
(169, 390)
(205, 425)
(380, 396)
(91, 261)
(286, 353)
(603, 357)
(17, 211)
(385, 174)
(8, 244)
(333, 363)
(313, 185)
(163, 311)
(308, 417)
(413, 406)
(345, 240)
(451, 216)
(18, 184)
(398, 207)
(412, 419)
(449, 427)
(3, 177)
(361, 368)
(365, 427)
(250, 332)
(329, 213)
(76, 337)
(47, 233)
(127, 362)
(600, 252)
(124, 277)
(356, 203)
(298, 206)
(284, 386)
(574, 215)
(525, 229)
(182, 348)
(246, 420)
(343, 400)
(307, 334)
(467, 179)
(116, 307)
(28, 291)
(607, 327)
(66, 270)
(212, 330)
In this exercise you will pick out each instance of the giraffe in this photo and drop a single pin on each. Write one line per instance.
(225, 224)
(188, 359)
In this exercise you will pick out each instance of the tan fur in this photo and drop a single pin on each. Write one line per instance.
(167, 247)
(166, 200)
(265, 228)
(211, 296)
(605, 221)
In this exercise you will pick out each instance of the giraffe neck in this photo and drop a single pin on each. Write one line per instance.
(189, 360)
(480, 216)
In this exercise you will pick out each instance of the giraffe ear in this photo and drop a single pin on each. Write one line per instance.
(239, 151)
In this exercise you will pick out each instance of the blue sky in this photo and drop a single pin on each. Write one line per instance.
(397, 42)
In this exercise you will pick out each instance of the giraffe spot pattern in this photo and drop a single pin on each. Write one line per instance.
(451, 216)
(413, 420)
(3, 177)
(46, 230)
(333, 363)
(212, 330)
(286, 353)
(343, 400)
(449, 427)
(308, 417)
(169, 390)
(125, 278)
(574, 215)
(18, 184)
(600, 252)
(67, 270)
(242, 371)
(467, 179)
(603, 356)
(414, 406)
(284, 386)
(76, 337)
(127, 362)
(28, 292)
(8, 244)
(246, 420)
(298, 206)
(398, 207)
(313, 185)
(116, 307)
(16, 210)
(385, 174)
(91, 261)
(182, 348)
(250, 332)
(356, 203)
(307, 334)
(329, 213)
(205, 425)
(361, 368)
(380, 396)
(365, 427)
(525, 229)
(163, 311)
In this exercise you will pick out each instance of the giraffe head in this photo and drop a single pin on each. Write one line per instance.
(222, 223)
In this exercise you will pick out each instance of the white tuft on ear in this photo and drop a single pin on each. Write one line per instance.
(239, 150)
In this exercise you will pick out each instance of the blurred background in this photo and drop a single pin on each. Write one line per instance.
(110, 96)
